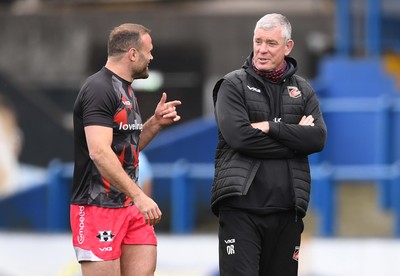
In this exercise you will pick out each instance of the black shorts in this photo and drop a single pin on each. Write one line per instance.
(255, 245)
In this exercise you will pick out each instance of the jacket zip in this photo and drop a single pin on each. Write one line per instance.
(288, 162)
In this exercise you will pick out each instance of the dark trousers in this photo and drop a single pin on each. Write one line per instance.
(259, 245)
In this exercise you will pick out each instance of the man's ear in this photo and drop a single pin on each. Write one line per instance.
(133, 53)
(289, 47)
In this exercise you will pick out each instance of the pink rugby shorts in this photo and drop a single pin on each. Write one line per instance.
(98, 233)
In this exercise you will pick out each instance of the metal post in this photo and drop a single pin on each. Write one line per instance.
(53, 196)
(327, 206)
(383, 127)
(181, 209)
(342, 21)
(373, 28)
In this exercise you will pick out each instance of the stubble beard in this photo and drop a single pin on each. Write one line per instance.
(144, 74)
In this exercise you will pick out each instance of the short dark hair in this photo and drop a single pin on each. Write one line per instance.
(124, 37)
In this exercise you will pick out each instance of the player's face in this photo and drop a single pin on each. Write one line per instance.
(270, 48)
(142, 66)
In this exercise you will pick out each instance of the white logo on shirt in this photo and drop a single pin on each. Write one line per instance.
(134, 126)
(254, 89)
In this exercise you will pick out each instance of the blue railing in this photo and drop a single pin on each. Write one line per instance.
(183, 200)
(326, 178)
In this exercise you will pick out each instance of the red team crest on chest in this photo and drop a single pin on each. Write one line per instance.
(294, 92)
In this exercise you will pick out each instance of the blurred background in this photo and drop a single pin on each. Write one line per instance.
(348, 49)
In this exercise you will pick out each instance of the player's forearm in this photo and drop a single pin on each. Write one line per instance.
(150, 130)
(110, 168)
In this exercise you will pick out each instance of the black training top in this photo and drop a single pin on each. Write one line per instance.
(105, 100)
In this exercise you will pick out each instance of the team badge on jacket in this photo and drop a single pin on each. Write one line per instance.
(294, 92)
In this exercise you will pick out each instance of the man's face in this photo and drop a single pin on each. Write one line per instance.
(141, 70)
(270, 48)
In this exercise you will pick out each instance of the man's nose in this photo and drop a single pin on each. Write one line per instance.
(264, 48)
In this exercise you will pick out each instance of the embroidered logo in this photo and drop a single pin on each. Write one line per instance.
(254, 89)
(105, 236)
(230, 248)
(296, 253)
(294, 92)
(126, 102)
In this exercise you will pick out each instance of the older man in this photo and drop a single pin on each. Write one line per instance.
(269, 121)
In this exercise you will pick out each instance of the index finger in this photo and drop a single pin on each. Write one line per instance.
(174, 103)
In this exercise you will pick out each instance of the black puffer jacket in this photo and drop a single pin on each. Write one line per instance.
(241, 147)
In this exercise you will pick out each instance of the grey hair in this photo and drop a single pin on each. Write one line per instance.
(273, 20)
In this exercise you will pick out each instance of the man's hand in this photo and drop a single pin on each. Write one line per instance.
(149, 209)
(307, 121)
(165, 112)
(263, 126)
